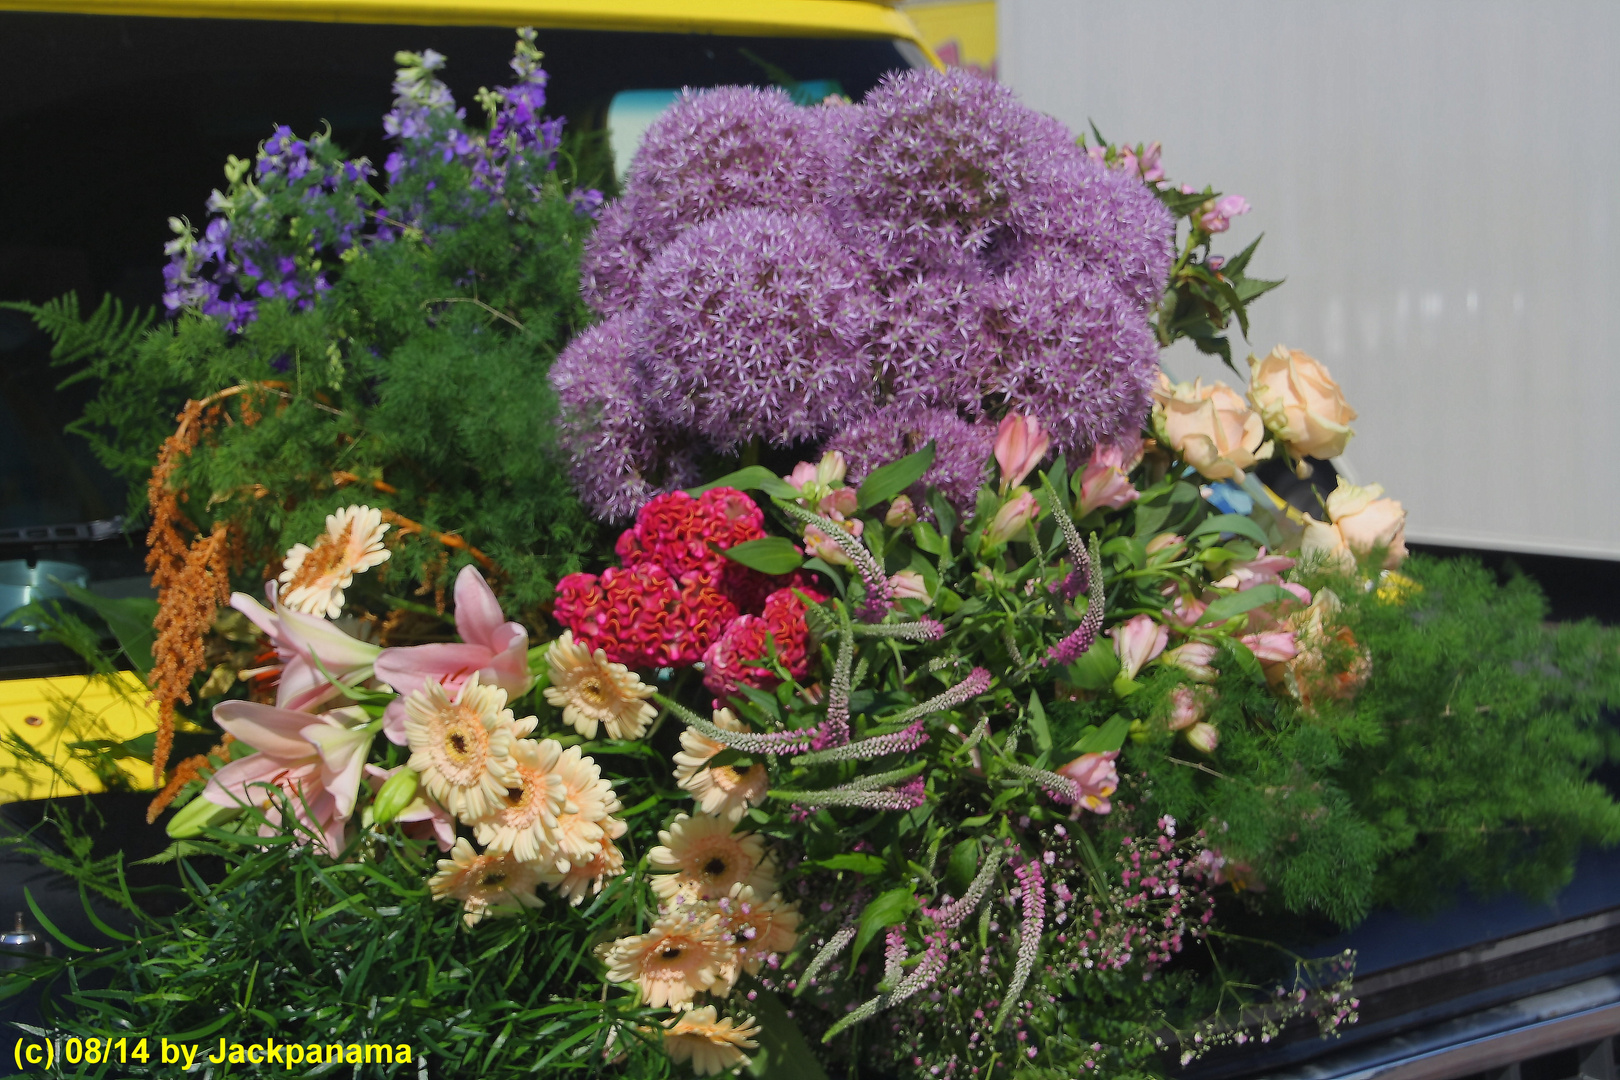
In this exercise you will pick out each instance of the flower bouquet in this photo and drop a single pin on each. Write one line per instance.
(955, 700)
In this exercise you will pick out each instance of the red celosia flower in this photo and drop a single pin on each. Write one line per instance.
(627, 613)
(726, 663)
(676, 531)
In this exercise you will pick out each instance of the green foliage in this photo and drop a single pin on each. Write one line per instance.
(276, 942)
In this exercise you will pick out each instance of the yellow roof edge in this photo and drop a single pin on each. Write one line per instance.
(779, 18)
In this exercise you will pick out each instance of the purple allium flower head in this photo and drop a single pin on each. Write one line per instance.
(961, 450)
(935, 167)
(1104, 220)
(931, 344)
(730, 148)
(612, 451)
(1075, 351)
(615, 255)
(755, 326)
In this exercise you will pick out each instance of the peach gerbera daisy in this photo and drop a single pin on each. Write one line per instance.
(591, 692)
(524, 822)
(707, 859)
(588, 800)
(758, 927)
(727, 791)
(712, 1045)
(313, 578)
(578, 878)
(488, 884)
(684, 953)
(463, 747)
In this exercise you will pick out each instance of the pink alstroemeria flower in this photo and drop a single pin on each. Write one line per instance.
(314, 761)
(497, 650)
(1196, 658)
(1011, 520)
(305, 644)
(1272, 646)
(1263, 569)
(1098, 779)
(1137, 641)
(1188, 704)
(1020, 445)
(423, 819)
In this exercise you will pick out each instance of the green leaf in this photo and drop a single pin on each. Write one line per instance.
(131, 621)
(859, 863)
(50, 927)
(769, 555)
(783, 1053)
(1037, 723)
(1111, 736)
(1097, 668)
(889, 480)
(753, 478)
(963, 865)
(883, 912)
(1245, 660)
(927, 538)
(1231, 523)
(1228, 607)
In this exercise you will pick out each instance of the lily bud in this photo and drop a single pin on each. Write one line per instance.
(1204, 737)
(831, 468)
(1011, 520)
(1020, 445)
(397, 792)
(1137, 641)
(908, 585)
(841, 501)
(901, 513)
(197, 815)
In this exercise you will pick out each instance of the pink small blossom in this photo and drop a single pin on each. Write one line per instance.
(1218, 215)
(1020, 446)
(1137, 641)
(842, 502)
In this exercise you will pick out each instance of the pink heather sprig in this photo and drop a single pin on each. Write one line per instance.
(879, 593)
(749, 742)
(895, 742)
(920, 630)
(907, 796)
(829, 952)
(1056, 784)
(929, 968)
(1029, 935)
(907, 739)
(834, 731)
(976, 683)
(1075, 645)
(894, 955)
(956, 912)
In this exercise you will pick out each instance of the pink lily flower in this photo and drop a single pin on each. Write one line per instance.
(1105, 487)
(423, 819)
(497, 650)
(1137, 641)
(1020, 445)
(305, 644)
(1098, 779)
(314, 761)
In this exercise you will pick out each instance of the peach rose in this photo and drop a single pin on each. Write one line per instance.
(1300, 403)
(1366, 520)
(1211, 427)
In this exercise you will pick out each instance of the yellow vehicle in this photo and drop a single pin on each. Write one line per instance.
(116, 115)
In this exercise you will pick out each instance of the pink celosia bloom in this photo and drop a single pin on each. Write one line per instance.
(314, 761)
(1012, 518)
(1272, 646)
(305, 644)
(494, 648)
(1097, 777)
(1137, 641)
(423, 819)
(1195, 658)
(1020, 445)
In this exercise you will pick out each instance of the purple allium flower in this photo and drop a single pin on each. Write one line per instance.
(935, 166)
(1101, 219)
(931, 342)
(1074, 350)
(961, 450)
(613, 453)
(755, 326)
(731, 148)
(614, 257)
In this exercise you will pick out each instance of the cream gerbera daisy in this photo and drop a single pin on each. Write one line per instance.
(488, 884)
(523, 824)
(727, 791)
(758, 927)
(684, 953)
(708, 859)
(313, 578)
(591, 691)
(712, 1045)
(462, 748)
(578, 878)
(588, 801)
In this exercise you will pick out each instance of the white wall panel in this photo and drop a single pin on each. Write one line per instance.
(1439, 182)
